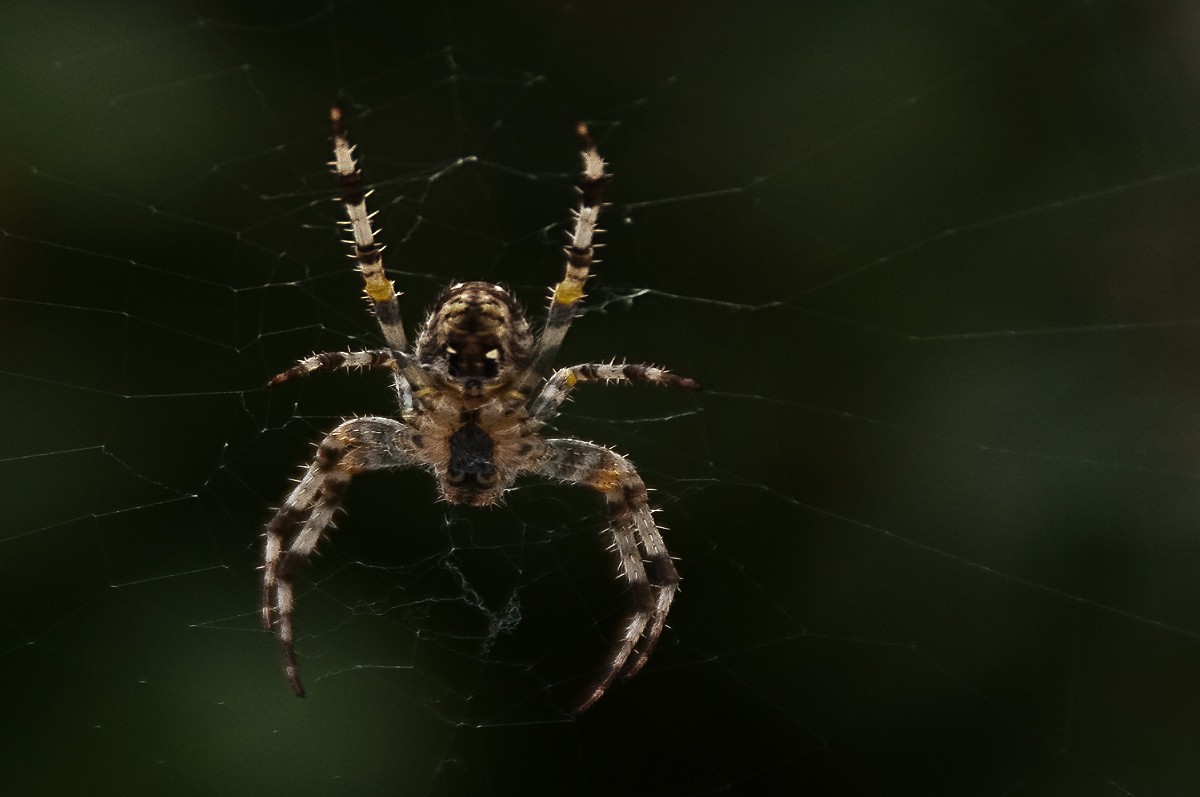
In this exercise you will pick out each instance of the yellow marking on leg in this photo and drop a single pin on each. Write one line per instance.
(606, 480)
(379, 288)
(568, 292)
(571, 379)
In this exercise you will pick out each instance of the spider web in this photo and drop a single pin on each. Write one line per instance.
(936, 511)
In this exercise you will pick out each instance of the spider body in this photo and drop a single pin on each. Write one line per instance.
(475, 392)
(472, 426)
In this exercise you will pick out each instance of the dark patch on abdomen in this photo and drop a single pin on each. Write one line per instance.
(472, 465)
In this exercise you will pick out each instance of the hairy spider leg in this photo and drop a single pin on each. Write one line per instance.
(332, 360)
(354, 446)
(368, 253)
(631, 524)
(558, 387)
(567, 295)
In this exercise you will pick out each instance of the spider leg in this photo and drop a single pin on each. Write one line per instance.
(567, 294)
(354, 446)
(631, 525)
(369, 254)
(331, 360)
(559, 386)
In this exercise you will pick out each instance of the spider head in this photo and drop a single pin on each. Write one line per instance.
(476, 338)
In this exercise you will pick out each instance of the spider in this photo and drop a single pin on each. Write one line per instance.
(471, 412)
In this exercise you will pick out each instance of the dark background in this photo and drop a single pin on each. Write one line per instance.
(937, 511)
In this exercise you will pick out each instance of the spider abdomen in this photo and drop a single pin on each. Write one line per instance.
(476, 334)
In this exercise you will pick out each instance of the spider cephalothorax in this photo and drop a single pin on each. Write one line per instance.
(474, 392)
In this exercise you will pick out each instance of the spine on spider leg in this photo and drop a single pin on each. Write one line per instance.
(367, 251)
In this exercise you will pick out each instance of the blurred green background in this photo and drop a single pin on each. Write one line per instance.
(936, 511)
